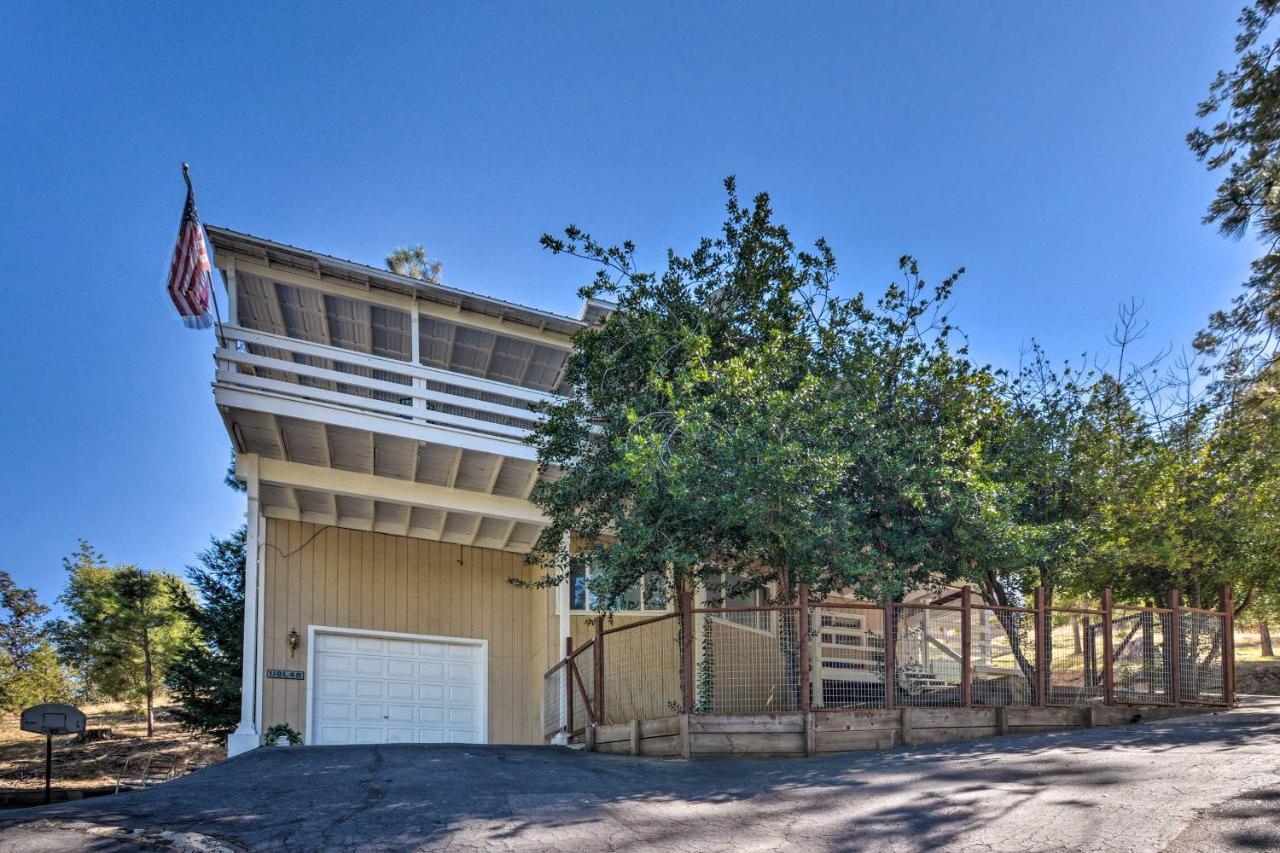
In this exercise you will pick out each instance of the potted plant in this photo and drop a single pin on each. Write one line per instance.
(281, 734)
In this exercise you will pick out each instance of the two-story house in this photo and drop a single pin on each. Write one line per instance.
(377, 422)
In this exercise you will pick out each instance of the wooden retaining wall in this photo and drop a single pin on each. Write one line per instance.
(820, 732)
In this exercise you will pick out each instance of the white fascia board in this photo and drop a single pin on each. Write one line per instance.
(372, 487)
(308, 410)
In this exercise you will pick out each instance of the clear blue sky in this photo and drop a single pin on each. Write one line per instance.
(1039, 145)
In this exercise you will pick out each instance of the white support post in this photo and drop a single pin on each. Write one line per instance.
(415, 354)
(564, 601)
(247, 735)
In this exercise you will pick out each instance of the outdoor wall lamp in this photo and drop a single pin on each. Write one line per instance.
(293, 641)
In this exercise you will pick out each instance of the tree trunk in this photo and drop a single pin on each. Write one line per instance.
(150, 684)
(1264, 634)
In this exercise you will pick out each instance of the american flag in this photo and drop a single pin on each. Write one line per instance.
(189, 281)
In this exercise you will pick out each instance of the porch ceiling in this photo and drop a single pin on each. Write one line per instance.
(390, 484)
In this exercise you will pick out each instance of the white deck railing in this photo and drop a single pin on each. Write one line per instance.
(375, 384)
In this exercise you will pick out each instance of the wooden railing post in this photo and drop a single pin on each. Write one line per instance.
(1228, 645)
(802, 620)
(598, 670)
(890, 665)
(1041, 647)
(568, 687)
(966, 647)
(1173, 643)
(686, 647)
(1108, 655)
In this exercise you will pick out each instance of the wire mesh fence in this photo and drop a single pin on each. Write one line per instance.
(928, 651)
(642, 670)
(1003, 656)
(846, 656)
(746, 666)
(1073, 658)
(1202, 673)
(553, 696)
(582, 674)
(753, 660)
(1139, 661)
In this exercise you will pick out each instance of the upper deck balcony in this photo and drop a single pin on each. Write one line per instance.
(376, 401)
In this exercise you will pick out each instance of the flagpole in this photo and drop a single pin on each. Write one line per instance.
(213, 287)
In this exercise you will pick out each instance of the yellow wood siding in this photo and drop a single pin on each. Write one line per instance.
(355, 579)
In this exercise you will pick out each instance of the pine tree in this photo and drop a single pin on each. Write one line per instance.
(29, 669)
(204, 679)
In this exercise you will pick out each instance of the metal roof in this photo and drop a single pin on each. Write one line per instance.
(339, 268)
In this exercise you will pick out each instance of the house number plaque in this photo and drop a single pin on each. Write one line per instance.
(290, 674)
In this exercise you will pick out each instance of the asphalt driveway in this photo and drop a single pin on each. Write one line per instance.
(1173, 784)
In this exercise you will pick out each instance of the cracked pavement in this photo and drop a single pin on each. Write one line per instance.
(1146, 787)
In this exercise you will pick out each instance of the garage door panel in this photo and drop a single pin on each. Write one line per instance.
(400, 668)
(397, 690)
(335, 664)
(335, 712)
(367, 688)
(401, 690)
(334, 643)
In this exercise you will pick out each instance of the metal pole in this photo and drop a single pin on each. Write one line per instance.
(568, 687)
(890, 665)
(966, 647)
(48, 769)
(1041, 649)
(802, 617)
(686, 649)
(598, 675)
(1228, 645)
(1173, 643)
(1108, 655)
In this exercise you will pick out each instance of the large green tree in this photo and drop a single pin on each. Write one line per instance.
(124, 627)
(1244, 140)
(735, 416)
(29, 669)
(204, 677)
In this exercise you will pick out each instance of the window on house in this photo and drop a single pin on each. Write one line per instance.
(731, 596)
(650, 594)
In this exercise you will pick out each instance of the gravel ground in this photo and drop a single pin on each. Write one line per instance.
(1190, 784)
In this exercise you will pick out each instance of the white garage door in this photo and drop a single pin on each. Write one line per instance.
(380, 689)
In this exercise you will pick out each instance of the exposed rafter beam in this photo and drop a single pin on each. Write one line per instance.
(369, 487)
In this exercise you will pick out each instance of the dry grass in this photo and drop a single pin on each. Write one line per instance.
(98, 762)
(1249, 646)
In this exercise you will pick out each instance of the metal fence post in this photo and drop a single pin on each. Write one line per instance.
(802, 620)
(1041, 649)
(568, 686)
(1228, 645)
(966, 647)
(686, 647)
(1173, 643)
(890, 665)
(1108, 655)
(598, 673)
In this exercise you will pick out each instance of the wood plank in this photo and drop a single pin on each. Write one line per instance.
(852, 741)
(761, 723)
(668, 745)
(931, 718)
(763, 743)
(1014, 730)
(660, 727)
(861, 720)
(939, 735)
(1044, 717)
